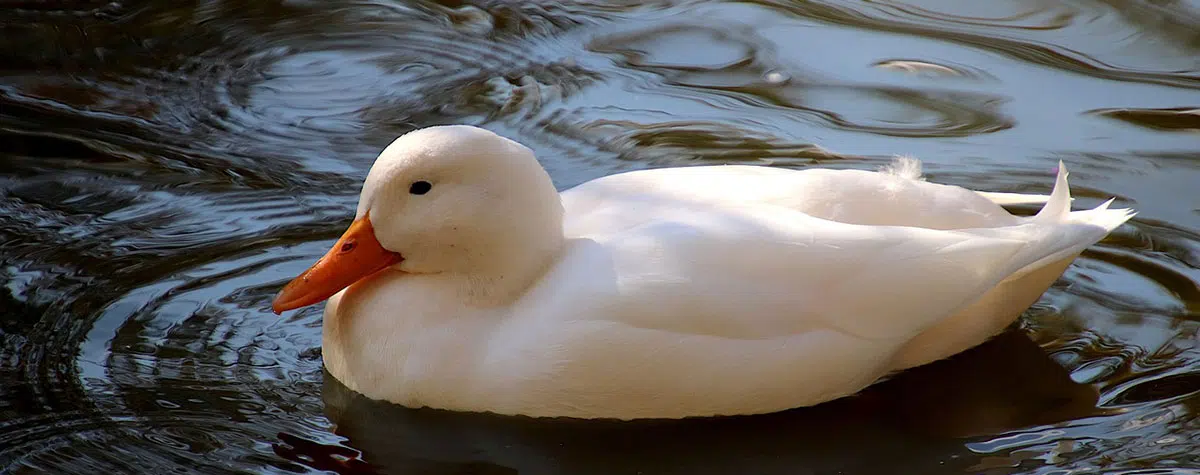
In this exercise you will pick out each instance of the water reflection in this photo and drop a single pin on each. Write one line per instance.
(1007, 383)
(167, 166)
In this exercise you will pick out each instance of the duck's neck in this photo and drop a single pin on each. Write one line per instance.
(502, 265)
(507, 272)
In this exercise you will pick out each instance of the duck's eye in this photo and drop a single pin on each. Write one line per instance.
(420, 187)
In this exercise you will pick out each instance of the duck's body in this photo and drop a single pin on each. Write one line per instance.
(693, 291)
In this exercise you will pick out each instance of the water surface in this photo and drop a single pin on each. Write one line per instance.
(166, 166)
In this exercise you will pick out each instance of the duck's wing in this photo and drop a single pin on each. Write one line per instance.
(765, 273)
(787, 271)
(735, 310)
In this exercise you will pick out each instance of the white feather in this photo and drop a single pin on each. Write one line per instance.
(679, 292)
(904, 166)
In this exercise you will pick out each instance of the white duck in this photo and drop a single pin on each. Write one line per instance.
(467, 282)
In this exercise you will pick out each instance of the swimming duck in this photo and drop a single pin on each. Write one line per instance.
(467, 282)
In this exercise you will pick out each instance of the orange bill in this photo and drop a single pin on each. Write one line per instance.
(356, 256)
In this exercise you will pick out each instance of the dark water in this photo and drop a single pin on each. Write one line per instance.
(166, 166)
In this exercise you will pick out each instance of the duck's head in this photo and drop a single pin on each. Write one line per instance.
(448, 199)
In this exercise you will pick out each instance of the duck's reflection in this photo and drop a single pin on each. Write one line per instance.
(914, 421)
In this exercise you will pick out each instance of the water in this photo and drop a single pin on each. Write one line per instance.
(167, 166)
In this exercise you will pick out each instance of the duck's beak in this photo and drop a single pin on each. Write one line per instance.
(354, 257)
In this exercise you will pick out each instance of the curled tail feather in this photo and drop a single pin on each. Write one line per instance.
(1059, 205)
(1058, 208)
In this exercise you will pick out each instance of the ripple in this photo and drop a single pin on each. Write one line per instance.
(742, 65)
(296, 86)
(1156, 389)
(931, 69)
(1058, 35)
(672, 47)
(179, 378)
(85, 248)
(896, 112)
(168, 166)
(677, 143)
(1175, 119)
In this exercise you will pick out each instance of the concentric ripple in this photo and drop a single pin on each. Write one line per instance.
(166, 167)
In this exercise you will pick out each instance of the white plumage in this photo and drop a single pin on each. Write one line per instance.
(676, 292)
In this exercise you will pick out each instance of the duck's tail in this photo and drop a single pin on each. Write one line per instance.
(1058, 208)
(1073, 231)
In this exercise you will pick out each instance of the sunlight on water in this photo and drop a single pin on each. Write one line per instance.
(168, 166)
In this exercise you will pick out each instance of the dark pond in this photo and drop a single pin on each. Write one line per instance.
(166, 166)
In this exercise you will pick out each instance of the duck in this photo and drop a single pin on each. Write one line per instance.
(467, 282)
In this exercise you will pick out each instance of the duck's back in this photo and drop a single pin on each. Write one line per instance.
(895, 197)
